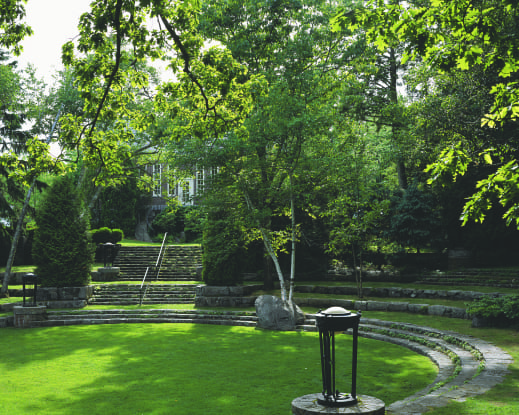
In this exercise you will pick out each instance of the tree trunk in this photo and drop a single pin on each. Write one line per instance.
(270, 251)
(14, 243)
(293, 253)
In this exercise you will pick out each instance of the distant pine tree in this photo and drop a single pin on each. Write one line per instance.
(61, 249)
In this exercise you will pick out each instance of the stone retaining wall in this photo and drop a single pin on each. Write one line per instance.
(393, 292)
(64, 297)
(240, 296)
(426, 309)
(212, 296)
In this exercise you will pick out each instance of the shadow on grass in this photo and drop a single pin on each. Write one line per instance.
(187, 369)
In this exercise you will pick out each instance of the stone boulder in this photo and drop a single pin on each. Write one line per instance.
(274, 315)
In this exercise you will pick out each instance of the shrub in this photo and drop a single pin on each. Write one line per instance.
(62, 253)
(170, 220)
(117, 236)
(223, 256)
(503, 309)
(101, 235)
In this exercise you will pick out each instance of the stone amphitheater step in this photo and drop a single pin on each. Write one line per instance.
(66, 318)
(180, 263)
(126, 294)
(493, 278)
(467, 366)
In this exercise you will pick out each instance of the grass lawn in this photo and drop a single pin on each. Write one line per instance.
(135, 242)
(186, 369)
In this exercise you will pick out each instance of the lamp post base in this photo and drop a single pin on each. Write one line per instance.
(309, 405)
(341, 399)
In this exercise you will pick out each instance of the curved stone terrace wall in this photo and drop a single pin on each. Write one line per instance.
(241, 296)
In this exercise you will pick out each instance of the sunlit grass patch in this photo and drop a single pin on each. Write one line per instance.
(187, 369)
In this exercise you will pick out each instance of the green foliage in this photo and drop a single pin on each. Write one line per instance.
(117, 236)
(62, 251)
(224, 250)
(104, 235)
(433, 34)
(194, 222)
(177, 219)
(12, 28)
(414, 221)
(207, 95)
(101, 235)
(170, 220)
(119, 206)
(495, 307)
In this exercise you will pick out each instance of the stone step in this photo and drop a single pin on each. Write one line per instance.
(172, 278)
(180, 263)
(186, 287)
(120, 294)
(136, 301)
(137, 295)
(57, 318)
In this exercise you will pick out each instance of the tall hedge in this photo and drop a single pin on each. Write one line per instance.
(224, 253)
(61, 249)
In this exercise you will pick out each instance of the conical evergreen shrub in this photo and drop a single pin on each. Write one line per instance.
(61, 250)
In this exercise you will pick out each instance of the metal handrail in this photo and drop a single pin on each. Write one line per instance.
(161, 247)
(144, 279)
(157, 266)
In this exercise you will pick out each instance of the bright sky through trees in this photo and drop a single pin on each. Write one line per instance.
(54, 22)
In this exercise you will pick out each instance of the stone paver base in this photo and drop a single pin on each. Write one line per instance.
(25, 316)
(308, 405)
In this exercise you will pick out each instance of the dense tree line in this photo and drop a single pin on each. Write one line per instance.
(332, 130)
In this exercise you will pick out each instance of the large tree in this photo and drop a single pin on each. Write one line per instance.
(292, 46)
(460, 34)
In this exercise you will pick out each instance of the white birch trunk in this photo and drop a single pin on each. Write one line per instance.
(270, 251)
(293, 253)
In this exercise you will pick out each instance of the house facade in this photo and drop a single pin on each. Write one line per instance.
(168, 186)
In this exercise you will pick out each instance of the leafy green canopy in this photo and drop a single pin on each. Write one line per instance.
(459, 34)
(12, 28)
(208, 94)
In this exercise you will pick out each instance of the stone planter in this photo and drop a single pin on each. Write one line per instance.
(24, 316)
(106, 274)
(64, 297)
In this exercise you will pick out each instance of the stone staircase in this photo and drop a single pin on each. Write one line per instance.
(67, 318)
(121, 294)
(180, 263)
(477, 277)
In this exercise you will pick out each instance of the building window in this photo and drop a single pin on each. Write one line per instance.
(157, 180)
(186, 199)
(200, 181)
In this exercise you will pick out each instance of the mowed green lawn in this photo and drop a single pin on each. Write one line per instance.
(187, 369)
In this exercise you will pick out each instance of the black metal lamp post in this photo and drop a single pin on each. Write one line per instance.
(30, 279)
(336, 319)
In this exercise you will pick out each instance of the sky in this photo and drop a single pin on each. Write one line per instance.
(54, 22)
